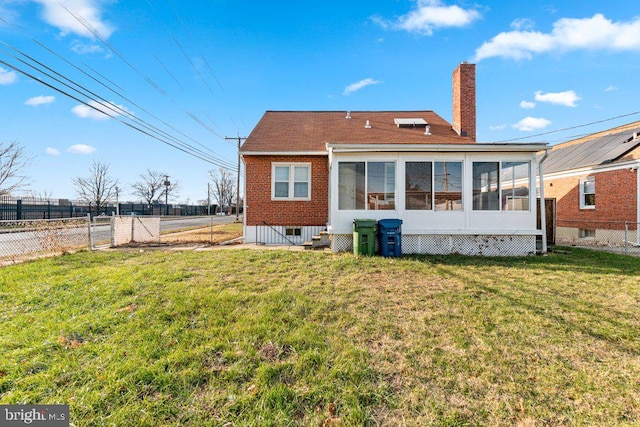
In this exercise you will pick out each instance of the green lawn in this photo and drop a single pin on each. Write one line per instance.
(246, 337)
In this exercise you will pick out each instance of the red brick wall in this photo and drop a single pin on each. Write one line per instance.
(616, 198)
(260, 207)
(464, 100)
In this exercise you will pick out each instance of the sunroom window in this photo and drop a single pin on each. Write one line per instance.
(433, 185)
(515, 186)
(366, 185)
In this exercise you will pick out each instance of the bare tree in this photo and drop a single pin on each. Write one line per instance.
(98, 188)
(151, 187)
(13, 160)
(223, 186)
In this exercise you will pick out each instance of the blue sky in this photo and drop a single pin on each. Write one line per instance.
(194, 72)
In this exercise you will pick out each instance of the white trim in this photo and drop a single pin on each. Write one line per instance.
(291, 181)
(582, 194)
(470, 148)
(593, 169)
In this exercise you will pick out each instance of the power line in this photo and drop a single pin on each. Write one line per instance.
(115, 118)
(118, 111)
(569, 128)
(98, 36)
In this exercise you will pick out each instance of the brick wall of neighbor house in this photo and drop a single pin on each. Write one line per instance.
(260, 207)
(616, 199)
(464, 100)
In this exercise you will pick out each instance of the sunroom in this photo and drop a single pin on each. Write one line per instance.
(477, 199)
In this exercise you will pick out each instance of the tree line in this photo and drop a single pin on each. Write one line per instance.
(100, 188)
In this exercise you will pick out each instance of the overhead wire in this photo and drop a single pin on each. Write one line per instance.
(130, 125)
(99, 99)
(569, 128)
(98, 36)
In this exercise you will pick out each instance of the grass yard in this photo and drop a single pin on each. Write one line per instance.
(249, 337)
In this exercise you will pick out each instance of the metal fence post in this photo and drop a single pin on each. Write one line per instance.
(90, 232)
(626, 238)
(18, 210)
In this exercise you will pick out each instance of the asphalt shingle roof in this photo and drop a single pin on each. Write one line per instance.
(309, 131)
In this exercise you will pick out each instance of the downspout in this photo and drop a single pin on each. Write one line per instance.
(543, 218)
(329, 165)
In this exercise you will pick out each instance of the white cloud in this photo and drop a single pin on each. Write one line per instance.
(95, 113)
(81, 149)
(567, 34)
(57, 13)
(39, 100)
(567, 98)
(498, 127)
(83, 48)
(522, 24)
(430, 15)
(52, 151)
(531, 123)
(359, 85)
(7, 77)
(610, 88)
(527, 104)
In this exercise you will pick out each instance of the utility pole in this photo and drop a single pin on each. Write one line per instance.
(166, 194)
(239, 139)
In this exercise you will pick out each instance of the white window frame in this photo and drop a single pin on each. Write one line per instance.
(583, 205)
(292, 181)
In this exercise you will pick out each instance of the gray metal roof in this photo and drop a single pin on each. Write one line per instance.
(593, 152)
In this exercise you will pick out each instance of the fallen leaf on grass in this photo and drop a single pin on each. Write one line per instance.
(130, 308)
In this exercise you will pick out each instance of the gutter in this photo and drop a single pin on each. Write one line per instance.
(543, 218)
(470, 148)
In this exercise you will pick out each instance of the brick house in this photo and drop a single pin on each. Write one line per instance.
(308, 171)
(596, 185)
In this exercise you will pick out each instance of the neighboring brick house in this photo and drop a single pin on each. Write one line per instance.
(308, 171)
(596, 185)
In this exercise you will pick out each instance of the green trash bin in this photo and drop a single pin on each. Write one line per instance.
(364, 236)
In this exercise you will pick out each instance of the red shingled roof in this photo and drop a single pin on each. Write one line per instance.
(309, 131)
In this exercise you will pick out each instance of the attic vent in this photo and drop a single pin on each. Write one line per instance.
(410, 122)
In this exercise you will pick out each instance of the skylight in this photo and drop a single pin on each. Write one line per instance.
(410, 122)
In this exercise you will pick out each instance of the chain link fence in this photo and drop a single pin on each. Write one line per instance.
(25, 239)
(612, 236)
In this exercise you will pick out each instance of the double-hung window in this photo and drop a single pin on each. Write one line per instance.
(291, 181)
(588, 193)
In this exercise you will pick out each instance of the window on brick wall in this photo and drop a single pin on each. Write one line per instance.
(291, 181)
(588, 193)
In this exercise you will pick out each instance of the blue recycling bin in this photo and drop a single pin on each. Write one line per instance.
(390, 237)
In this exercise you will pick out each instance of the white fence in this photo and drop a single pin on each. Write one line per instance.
(138, 229)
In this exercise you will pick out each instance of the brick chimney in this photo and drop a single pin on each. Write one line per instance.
(464, 100)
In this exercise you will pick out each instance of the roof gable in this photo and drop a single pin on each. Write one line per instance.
(310, 131)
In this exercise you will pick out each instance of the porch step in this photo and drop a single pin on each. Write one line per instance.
(320, 241)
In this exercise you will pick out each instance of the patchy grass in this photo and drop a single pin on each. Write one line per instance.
(305, 338)
(211, 234)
